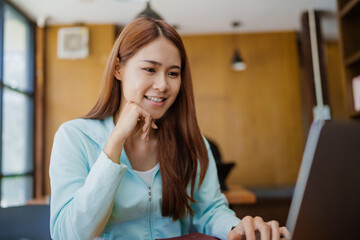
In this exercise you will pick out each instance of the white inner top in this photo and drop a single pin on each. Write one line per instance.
(147, 175)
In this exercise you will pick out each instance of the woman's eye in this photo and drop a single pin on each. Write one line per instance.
(173, 74)
(150, 70)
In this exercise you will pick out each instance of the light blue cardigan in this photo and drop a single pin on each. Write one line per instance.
(90, 193)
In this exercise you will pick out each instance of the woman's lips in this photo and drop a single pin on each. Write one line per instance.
(156, 101)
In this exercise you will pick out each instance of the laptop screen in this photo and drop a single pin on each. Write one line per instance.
(326, 202)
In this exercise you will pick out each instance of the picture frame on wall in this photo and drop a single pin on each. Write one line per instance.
(73, 43)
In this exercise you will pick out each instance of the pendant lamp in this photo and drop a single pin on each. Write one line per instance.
(237, 63)
(149, 12)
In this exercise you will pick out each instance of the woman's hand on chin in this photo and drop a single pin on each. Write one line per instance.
(133, 118)
(255, 229)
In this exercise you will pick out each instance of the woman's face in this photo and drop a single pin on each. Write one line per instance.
(152, 77)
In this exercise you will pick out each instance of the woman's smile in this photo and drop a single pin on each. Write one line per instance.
(156, 99)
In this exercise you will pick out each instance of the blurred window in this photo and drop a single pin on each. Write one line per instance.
(16, 107)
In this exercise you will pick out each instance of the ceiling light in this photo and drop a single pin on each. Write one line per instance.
(149, 12)
(237, 63)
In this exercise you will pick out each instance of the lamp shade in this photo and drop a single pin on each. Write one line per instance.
(238, 63)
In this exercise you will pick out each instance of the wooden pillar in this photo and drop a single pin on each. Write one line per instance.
(39, 171)
(309, 86)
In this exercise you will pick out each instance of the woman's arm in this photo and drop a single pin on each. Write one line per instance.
(212, 215)
(81, 195)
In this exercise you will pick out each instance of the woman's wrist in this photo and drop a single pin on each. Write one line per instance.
(113, 148)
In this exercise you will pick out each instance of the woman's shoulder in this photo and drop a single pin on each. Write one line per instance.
(96, 129)
(81, 124)
(206, 142)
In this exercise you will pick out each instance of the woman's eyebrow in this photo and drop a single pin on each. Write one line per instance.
(152, 62)
(175, 66)
(159, 64)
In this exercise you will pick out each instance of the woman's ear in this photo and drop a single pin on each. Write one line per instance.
(117, 72)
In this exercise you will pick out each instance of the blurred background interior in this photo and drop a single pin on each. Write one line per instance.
(253, 75)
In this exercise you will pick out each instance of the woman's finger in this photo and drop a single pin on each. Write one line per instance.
(238, 233)
(263, 228)
(232, 235)
(144, 136)
(147, 126)
(248, 223)
(275, 232)
(145, 119)
(285, 233)
(153, 125)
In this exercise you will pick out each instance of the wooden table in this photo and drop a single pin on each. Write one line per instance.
(39, 201)
(237, 194)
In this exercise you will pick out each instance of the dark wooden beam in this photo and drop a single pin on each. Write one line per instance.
(39, 171)
(310, 97)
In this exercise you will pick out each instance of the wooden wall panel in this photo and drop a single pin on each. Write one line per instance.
(72, 86)
(254, 115)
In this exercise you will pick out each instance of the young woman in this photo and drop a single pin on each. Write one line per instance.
(136, 166)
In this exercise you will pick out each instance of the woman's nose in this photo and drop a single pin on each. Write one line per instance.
(160, 83)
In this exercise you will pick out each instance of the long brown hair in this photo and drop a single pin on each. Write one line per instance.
(181, 146)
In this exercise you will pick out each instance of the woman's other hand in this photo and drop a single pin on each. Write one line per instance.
(255, 229)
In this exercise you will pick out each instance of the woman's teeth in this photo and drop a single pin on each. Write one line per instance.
(155, 99)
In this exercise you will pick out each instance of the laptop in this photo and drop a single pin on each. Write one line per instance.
(326, 201)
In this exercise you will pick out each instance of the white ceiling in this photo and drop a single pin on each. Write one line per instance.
(192, 16)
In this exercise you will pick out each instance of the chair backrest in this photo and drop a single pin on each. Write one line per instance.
(29, 222)
(223, 169)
